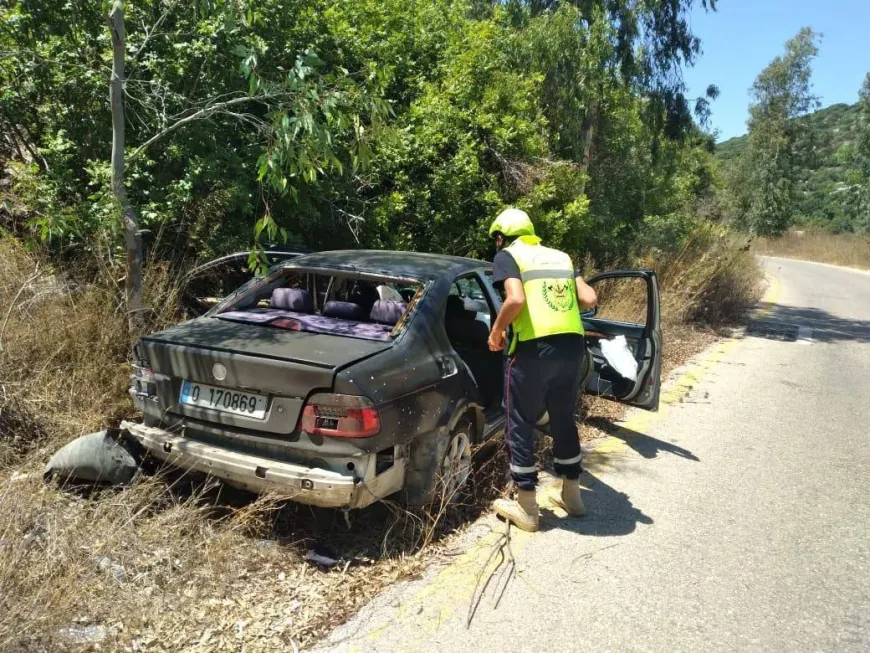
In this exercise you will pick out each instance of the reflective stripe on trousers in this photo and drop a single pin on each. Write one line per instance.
(534, 385)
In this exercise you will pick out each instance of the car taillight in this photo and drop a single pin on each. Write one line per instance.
(142, 381)
(139, 356)
(340, 416)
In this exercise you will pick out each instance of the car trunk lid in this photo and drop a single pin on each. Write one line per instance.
(285, 366)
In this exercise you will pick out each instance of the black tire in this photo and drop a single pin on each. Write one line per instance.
(423, 472)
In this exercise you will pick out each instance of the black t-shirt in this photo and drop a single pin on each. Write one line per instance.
(563, 344)
(504, 267)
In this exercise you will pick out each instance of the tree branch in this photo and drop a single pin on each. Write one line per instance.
(205, 112)
(32, 148)
(149, 34)
(249, 118)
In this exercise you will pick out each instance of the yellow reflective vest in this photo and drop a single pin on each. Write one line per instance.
(551, 293)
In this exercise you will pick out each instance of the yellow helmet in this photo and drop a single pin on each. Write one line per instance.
(513, 222)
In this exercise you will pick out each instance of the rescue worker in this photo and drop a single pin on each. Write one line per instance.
(543, 298)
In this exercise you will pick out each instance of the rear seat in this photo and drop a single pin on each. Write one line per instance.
(383, 311)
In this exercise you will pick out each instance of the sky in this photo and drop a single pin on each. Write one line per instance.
(743, 36)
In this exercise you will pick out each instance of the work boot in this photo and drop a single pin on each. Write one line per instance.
(568, 498)
(523, 512)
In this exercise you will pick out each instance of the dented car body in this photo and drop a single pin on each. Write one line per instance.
(342, 378)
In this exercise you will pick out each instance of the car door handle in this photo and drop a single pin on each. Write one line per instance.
(447, 366)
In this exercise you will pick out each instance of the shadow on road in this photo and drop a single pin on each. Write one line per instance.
(609, 512)
(826, 326)
(646, 445)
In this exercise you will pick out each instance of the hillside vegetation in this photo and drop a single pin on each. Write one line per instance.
(828, 176)
(369, 123)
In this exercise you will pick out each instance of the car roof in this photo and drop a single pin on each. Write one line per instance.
(410, 264)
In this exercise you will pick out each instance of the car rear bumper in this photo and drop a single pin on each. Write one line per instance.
(309, 485)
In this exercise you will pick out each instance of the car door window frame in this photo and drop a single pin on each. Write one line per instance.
(488, 296)
(653, 308)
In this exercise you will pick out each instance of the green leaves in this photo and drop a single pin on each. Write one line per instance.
(378, 123)
(319, 121)
(267, 225)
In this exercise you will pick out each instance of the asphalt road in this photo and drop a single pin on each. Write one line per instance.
(737, 519)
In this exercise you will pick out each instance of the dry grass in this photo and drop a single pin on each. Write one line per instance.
(162, 567)
(64, 347)
(175, 562)
(838, 249)
(707, 286)
(712, 280)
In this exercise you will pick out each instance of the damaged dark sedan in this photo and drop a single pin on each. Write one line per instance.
(342, 378)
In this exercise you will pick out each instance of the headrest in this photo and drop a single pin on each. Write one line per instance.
(387, 311)
(387, 292)
(344, 310)
(292, 299)
(475, 305)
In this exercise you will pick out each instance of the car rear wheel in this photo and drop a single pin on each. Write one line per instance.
(439, 467)
(455, 466)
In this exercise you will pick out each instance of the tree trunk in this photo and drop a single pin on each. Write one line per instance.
(19, 140)
(10, 138)
(132, 236)
(588, 134)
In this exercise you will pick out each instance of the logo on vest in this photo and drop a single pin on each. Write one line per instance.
(558, 295)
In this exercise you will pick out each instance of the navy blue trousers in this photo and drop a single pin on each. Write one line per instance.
(536, 382)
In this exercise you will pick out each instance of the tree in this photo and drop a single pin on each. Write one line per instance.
(777, 141)
(218, 86)
(589, 51)
(862, 156)
(377, 123)
(132, 235)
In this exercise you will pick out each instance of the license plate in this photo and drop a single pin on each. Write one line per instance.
(245, 404)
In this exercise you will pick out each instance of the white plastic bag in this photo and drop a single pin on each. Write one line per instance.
(620, 358)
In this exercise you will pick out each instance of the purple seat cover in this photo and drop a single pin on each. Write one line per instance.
(311, 323)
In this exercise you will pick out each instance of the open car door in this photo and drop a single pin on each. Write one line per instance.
(628, 305)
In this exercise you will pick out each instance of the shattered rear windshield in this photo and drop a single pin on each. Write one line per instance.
(342, 303)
